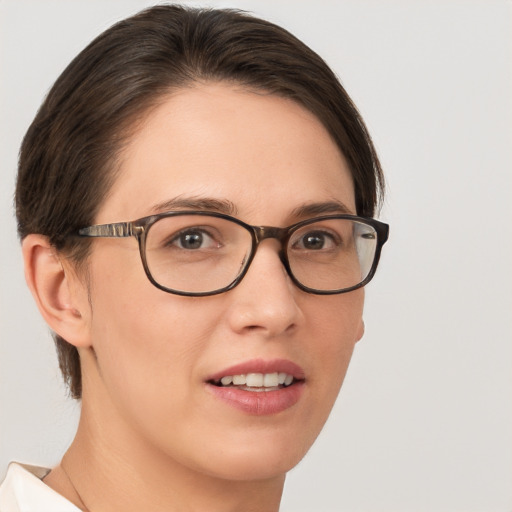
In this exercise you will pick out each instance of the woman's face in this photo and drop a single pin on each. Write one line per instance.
(156, 353)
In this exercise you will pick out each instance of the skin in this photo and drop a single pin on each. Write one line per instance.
(151, 437)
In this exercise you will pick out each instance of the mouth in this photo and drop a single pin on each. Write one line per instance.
(259, 387)
(256, 382)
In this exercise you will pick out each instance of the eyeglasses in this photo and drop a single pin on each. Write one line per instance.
(198, 253)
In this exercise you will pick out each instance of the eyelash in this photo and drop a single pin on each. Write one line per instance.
(175, 240)
(335, 239)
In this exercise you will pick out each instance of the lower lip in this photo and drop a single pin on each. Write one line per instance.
(259, 403)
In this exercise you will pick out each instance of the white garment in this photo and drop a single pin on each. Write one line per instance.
(24, 491)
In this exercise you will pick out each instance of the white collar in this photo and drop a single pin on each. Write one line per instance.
(24, 491)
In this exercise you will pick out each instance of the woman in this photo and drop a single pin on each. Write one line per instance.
(195, 199)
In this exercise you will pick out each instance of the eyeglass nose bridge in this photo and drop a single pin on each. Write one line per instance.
(264, 232)
(281, 234)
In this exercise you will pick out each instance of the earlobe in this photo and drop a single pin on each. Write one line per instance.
(55, 290)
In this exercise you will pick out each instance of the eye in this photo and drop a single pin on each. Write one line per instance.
(193, 239)
(315, 241)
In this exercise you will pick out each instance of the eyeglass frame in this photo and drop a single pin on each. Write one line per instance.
(139, 229)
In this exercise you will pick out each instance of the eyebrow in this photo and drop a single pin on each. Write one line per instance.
(321, 208)
(228, 208)
(196, 203)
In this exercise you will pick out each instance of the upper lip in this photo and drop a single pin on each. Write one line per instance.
(261, 366)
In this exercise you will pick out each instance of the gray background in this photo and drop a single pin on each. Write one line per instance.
(424, 422)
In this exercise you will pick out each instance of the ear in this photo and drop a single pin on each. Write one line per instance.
(59, 294)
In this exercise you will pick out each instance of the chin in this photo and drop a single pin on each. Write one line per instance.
(254, 468)
(257, 457)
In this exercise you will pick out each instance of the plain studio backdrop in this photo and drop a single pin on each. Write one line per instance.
(424, 420)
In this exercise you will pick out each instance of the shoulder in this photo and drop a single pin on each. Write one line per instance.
(24, 491)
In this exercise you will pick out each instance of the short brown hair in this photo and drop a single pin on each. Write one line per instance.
(68, 156)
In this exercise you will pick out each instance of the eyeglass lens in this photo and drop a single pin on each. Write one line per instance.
(201, 254)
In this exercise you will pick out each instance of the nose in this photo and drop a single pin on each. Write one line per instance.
(265, 301)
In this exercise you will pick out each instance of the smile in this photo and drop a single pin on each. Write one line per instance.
(256, 381)
(259, 387)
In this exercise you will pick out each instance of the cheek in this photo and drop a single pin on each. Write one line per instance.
(338, 322)
(338, 325)
(147, 364)
(145, 340)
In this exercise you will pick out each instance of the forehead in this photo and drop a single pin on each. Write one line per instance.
(265, 154)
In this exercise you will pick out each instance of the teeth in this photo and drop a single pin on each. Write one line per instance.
(258, 380)
(239, 380)
(271, 380)
(254, 380)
